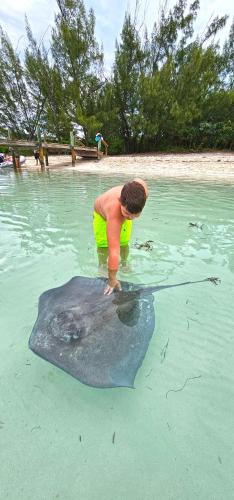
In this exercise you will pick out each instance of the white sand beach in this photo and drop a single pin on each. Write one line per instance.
(197, 166)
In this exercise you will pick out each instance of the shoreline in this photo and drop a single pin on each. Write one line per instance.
(188, 166)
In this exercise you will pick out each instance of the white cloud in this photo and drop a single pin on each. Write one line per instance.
(109, 18)
(208, 9)
(40, 14)
(215, 8)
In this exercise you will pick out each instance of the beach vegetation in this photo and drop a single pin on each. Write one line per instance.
(169, 89)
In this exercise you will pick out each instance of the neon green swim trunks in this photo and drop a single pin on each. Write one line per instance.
(99, 228)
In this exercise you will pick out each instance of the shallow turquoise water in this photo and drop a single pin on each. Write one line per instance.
(56, 435)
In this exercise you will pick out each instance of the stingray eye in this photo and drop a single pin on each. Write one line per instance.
(66, 337)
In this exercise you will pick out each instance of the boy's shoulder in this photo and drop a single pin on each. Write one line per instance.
(114, 190)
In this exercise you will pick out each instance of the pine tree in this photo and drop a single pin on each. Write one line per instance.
(128, 67)
(77, 56)
(19, 109)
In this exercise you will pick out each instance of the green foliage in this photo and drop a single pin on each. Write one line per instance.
(171, 33)
(45, 83)
(168, 89)
(77, 55)
(128, 67)
(18, 108)
(228, 54)
(116, 146)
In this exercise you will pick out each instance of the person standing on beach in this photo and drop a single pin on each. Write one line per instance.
(114, 212)
(99, 139)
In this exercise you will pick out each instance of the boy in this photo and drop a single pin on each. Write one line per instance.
(114, 211)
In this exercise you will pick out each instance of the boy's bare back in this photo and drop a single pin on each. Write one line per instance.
(108, 205)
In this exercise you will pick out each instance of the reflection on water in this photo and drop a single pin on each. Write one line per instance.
(172, 435)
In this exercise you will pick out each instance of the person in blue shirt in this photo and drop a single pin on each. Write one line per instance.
(100, 140)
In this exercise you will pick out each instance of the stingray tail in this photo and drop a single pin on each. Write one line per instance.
(152, 289)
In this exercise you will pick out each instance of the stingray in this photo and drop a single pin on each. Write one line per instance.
(101, 340)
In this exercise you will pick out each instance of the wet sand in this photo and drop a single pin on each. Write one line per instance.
(197, 166)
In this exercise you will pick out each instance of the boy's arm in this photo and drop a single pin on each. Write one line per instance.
(113, 230)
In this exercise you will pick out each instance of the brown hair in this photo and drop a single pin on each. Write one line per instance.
(133, 197)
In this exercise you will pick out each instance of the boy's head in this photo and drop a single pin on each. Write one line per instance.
(132, 199)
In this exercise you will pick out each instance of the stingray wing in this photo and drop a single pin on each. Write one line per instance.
(94, 338)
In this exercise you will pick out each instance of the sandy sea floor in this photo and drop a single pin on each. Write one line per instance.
(170, 437)
(197, 166)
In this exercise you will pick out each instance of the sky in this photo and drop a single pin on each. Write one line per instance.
(109, 16)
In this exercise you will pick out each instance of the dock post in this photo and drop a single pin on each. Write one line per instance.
(41, 157)
(14, 159)
(9, 134)
(41, 152)
(46, 157)
(106, 146)
(17, 161)
(72, 144)
(73, 153)
(46, 152)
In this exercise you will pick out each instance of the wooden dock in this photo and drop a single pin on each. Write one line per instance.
(52, 147)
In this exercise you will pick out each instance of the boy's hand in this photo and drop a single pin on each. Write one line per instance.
(112, 285)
